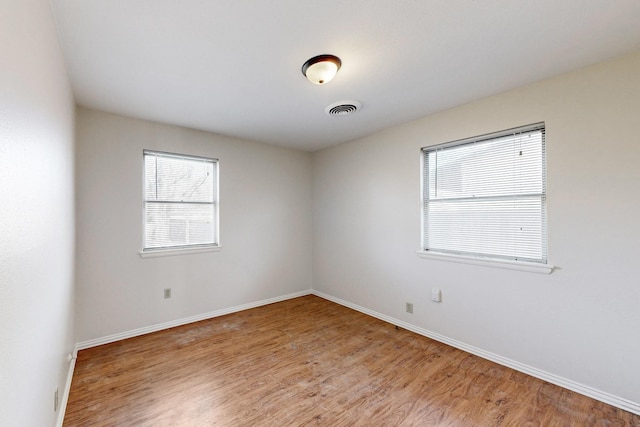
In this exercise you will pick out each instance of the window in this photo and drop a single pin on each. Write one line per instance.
(485, 197)
(180, 202)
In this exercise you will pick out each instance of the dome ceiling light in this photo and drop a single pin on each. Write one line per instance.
(321, 69)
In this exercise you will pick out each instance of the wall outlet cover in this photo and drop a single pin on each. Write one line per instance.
(409, 308)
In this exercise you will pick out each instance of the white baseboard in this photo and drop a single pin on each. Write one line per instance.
(179, 322)
(619, 402)
(67, 388)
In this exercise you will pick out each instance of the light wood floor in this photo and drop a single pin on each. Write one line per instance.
(308, 361)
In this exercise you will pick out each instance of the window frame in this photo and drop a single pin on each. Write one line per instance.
(147, 252)
(476, 258)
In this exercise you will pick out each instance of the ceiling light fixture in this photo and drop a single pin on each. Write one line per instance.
(321, 69)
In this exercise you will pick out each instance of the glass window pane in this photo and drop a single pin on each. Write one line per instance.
(180, 200)
(177, 224)
(487, 197)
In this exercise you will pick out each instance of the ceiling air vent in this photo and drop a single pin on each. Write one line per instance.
(342, 108)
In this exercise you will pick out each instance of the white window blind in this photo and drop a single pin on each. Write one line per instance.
(486, 196)
(180, 201)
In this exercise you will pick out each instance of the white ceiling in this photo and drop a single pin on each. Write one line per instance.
(233, 66)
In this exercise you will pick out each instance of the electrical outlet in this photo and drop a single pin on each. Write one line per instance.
(56, 400)
(167, 293)
(409, 308)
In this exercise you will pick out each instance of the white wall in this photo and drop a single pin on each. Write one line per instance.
(582, 321)
(265, 226)
(36, 215)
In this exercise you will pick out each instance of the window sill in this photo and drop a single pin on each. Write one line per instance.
(531, 267)
(182, 251)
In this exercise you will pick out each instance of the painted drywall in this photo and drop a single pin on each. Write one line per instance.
(265, 227)
(36, 215)
(580, 322)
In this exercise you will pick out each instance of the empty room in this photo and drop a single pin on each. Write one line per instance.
(338, 213)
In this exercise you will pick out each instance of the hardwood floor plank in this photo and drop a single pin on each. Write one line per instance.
(308, 361)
